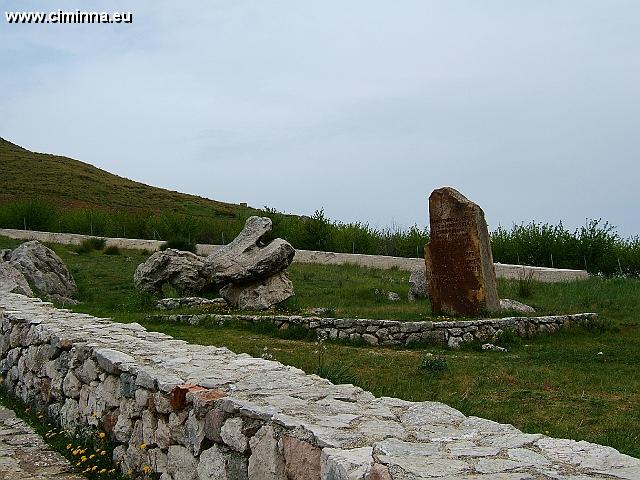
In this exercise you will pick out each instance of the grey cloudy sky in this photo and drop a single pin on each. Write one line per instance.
(530, 108)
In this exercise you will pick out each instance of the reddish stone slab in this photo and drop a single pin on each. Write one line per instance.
(460, 275)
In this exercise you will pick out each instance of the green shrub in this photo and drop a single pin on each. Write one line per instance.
(507, 338)
(434, 364)
(595, 247)
(91, 244)
(111, 250)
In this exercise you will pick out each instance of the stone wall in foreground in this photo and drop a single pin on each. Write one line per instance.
(193, 412)
(542, 274)
(394, 332)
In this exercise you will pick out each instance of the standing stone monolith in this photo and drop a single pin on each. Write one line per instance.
(460, 275)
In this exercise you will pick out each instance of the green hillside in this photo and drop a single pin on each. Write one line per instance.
(67, 182)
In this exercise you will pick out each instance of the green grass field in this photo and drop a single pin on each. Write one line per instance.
(580, 384)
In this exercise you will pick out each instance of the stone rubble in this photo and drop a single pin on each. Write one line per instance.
(508, 305)
(395, 332)
(187, 302)
(192, 412)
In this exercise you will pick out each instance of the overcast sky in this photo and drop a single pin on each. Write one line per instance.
(530, 108)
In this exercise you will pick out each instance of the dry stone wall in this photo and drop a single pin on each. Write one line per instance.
(191, 412)
(394, 332)
(542, 274)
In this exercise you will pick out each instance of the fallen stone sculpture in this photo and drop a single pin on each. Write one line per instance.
(245, 259)
(252, 276)
(258, 295)
(42, 269)
(185, 271)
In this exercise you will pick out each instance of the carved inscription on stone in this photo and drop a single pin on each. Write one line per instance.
(460, 272)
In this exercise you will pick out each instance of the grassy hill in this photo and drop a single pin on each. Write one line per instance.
(46, 192)
(39, 191)
(67, 182)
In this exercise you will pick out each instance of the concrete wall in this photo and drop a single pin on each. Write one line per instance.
(191, 412)
(393, 332)
(541, 274)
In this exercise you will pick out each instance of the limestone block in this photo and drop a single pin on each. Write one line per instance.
(266, 461)
(232, 435)
(342, 464)
(181, 464)
(221, 464)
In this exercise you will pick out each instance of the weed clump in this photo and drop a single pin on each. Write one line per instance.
(434, 364)
(111, 250)
(91, 244)
(526, 283)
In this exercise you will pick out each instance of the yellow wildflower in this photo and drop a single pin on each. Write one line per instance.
(143, 446)
(102, 434)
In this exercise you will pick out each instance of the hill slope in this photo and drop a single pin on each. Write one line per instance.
(69, 182)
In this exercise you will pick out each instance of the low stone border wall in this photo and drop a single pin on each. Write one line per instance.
(542, 274)
(192, 412)
(394, 332)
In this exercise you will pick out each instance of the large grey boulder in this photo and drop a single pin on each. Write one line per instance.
(418, 284)
(44, 270)
(185, 271)
(246, 259)
(13, 281)
(258, 295)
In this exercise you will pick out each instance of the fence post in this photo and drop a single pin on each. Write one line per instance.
(620, 267)
(24, 222)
